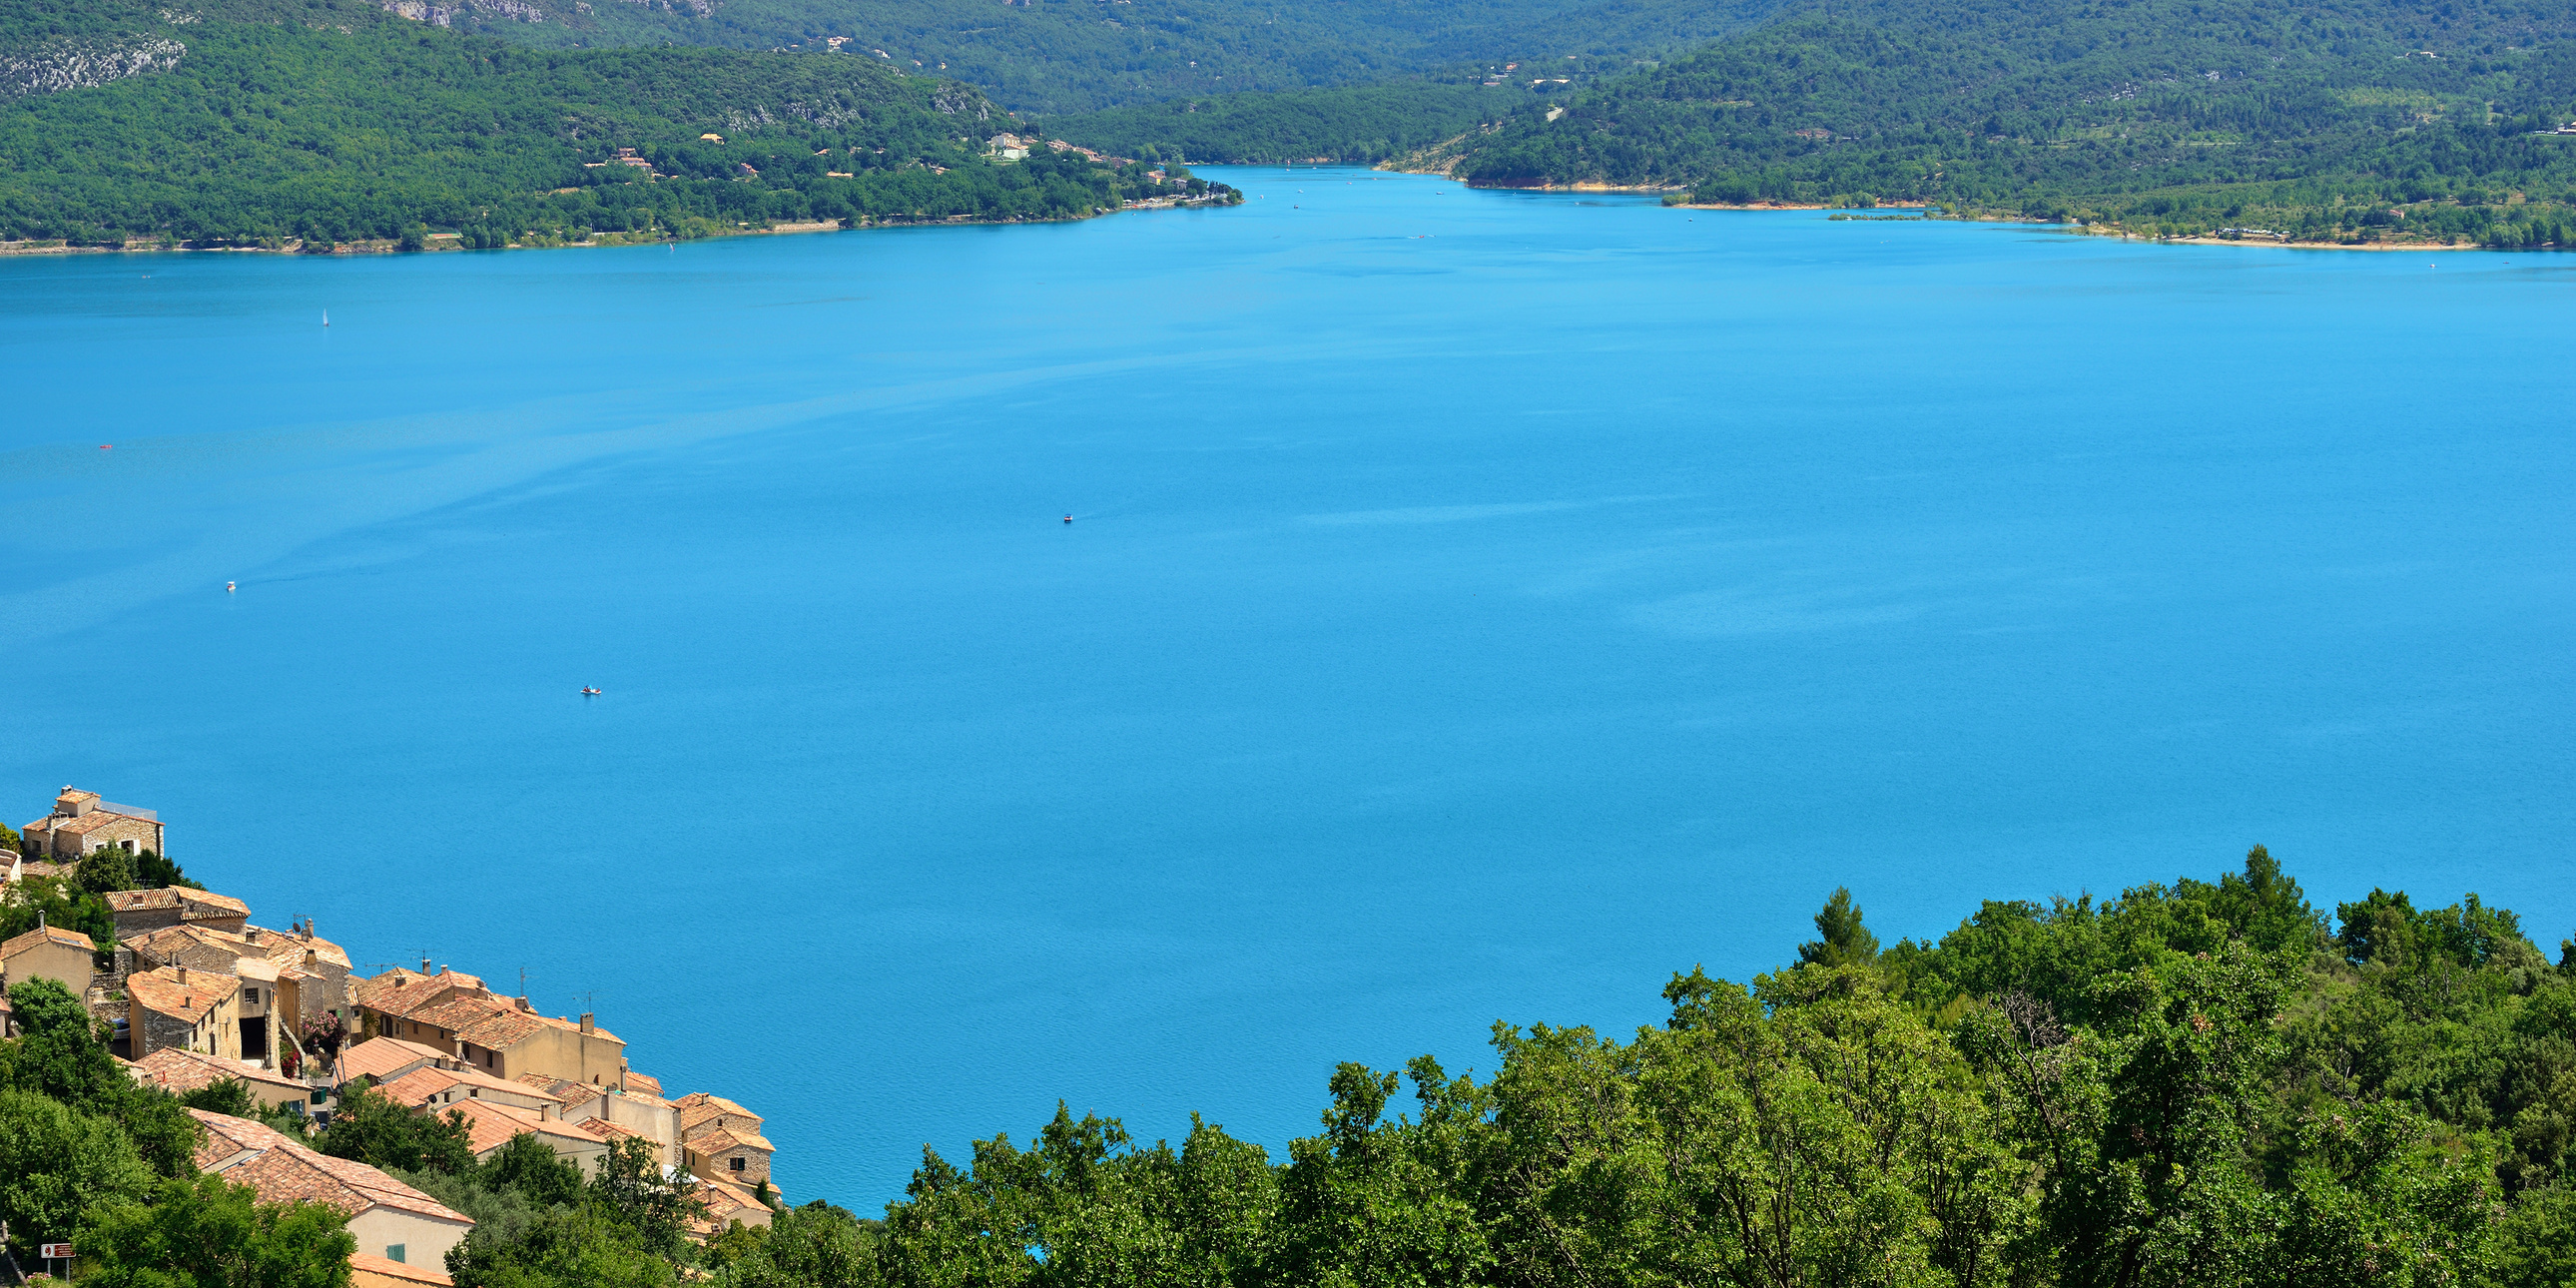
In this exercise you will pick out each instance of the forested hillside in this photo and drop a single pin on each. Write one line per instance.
(2207, 1084)
(1086, 55)
(1357, 123)
(257, 121)
(2343, 119)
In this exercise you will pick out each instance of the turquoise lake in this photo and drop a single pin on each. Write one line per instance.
(1477, 606)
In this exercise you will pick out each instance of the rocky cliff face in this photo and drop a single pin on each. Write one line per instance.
(445, 15)
(84, 62)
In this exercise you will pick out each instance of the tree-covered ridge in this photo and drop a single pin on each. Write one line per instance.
(2209, 1084)
(2309, 119)
(1368, 123)
(340, 122)
(1059, 56)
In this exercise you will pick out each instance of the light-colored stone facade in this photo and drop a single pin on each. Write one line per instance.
(48, 952)
(190, 1010)
(82, 824)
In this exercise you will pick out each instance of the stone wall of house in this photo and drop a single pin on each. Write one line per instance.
(161, 1032)
(143, 921)
(755, 1165)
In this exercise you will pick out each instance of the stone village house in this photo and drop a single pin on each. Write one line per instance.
(82, 824)
(389, 1219)
(502, 1036)
(285, 977)
(180, 1071)
(139, 912)
(174, 1006)
(48, 952)
(723, 1140)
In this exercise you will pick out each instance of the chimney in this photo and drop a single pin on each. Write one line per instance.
(585, 1022)
(311, 958)
(424, 965)
(183, 972)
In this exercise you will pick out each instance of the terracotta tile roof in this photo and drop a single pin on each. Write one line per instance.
(698, 1106)
(605, 1130)
(168, 941)
(160, 990)
(377, 1057)
(198, 903)
(563, 1091)
(643, 1082)
(725, 1203)
(283, 1170)
(559, 1022)
(291, 949)
(364, 989)
(368, 1263)
(492, 1124)
(178, 1072)
(411, 995)
(45, 935)
(716, 1140)
(88, 823)
(453, 1013)
(500, 1030)
(415, 1088)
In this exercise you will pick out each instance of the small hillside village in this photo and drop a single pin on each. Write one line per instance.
(193, 993)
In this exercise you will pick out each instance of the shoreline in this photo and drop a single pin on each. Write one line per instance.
(443, 242)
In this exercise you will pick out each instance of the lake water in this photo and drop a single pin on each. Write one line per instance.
(1478, 605)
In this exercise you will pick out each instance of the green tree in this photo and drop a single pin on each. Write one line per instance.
(210, 1233)
(380, 1133)
(229, 1096)
(1842, 940)
(55, 1162)
(1361, 1206)
(1815, 1131)
(105, 869)
(530, 1166)
(61, 1054)
(582, 1247)
(630, 1188)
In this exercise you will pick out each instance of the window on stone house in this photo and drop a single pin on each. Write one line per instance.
(735, 1164)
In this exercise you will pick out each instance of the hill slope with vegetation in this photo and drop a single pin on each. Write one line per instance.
(2212, 1084)
(1060, 56)
(329, 121)
(2345, 119)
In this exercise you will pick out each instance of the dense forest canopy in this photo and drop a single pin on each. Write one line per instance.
(2350, 118)
(2205, 1083)
(1085, 55)
(257, 121)
(1369, 123)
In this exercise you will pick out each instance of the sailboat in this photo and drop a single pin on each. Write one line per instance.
(326, 319)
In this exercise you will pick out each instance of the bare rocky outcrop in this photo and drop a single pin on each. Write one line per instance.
(445, 15)
(437, 15)
(84, 62)
(954, 99)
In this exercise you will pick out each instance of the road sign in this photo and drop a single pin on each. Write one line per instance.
(54, 1251)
